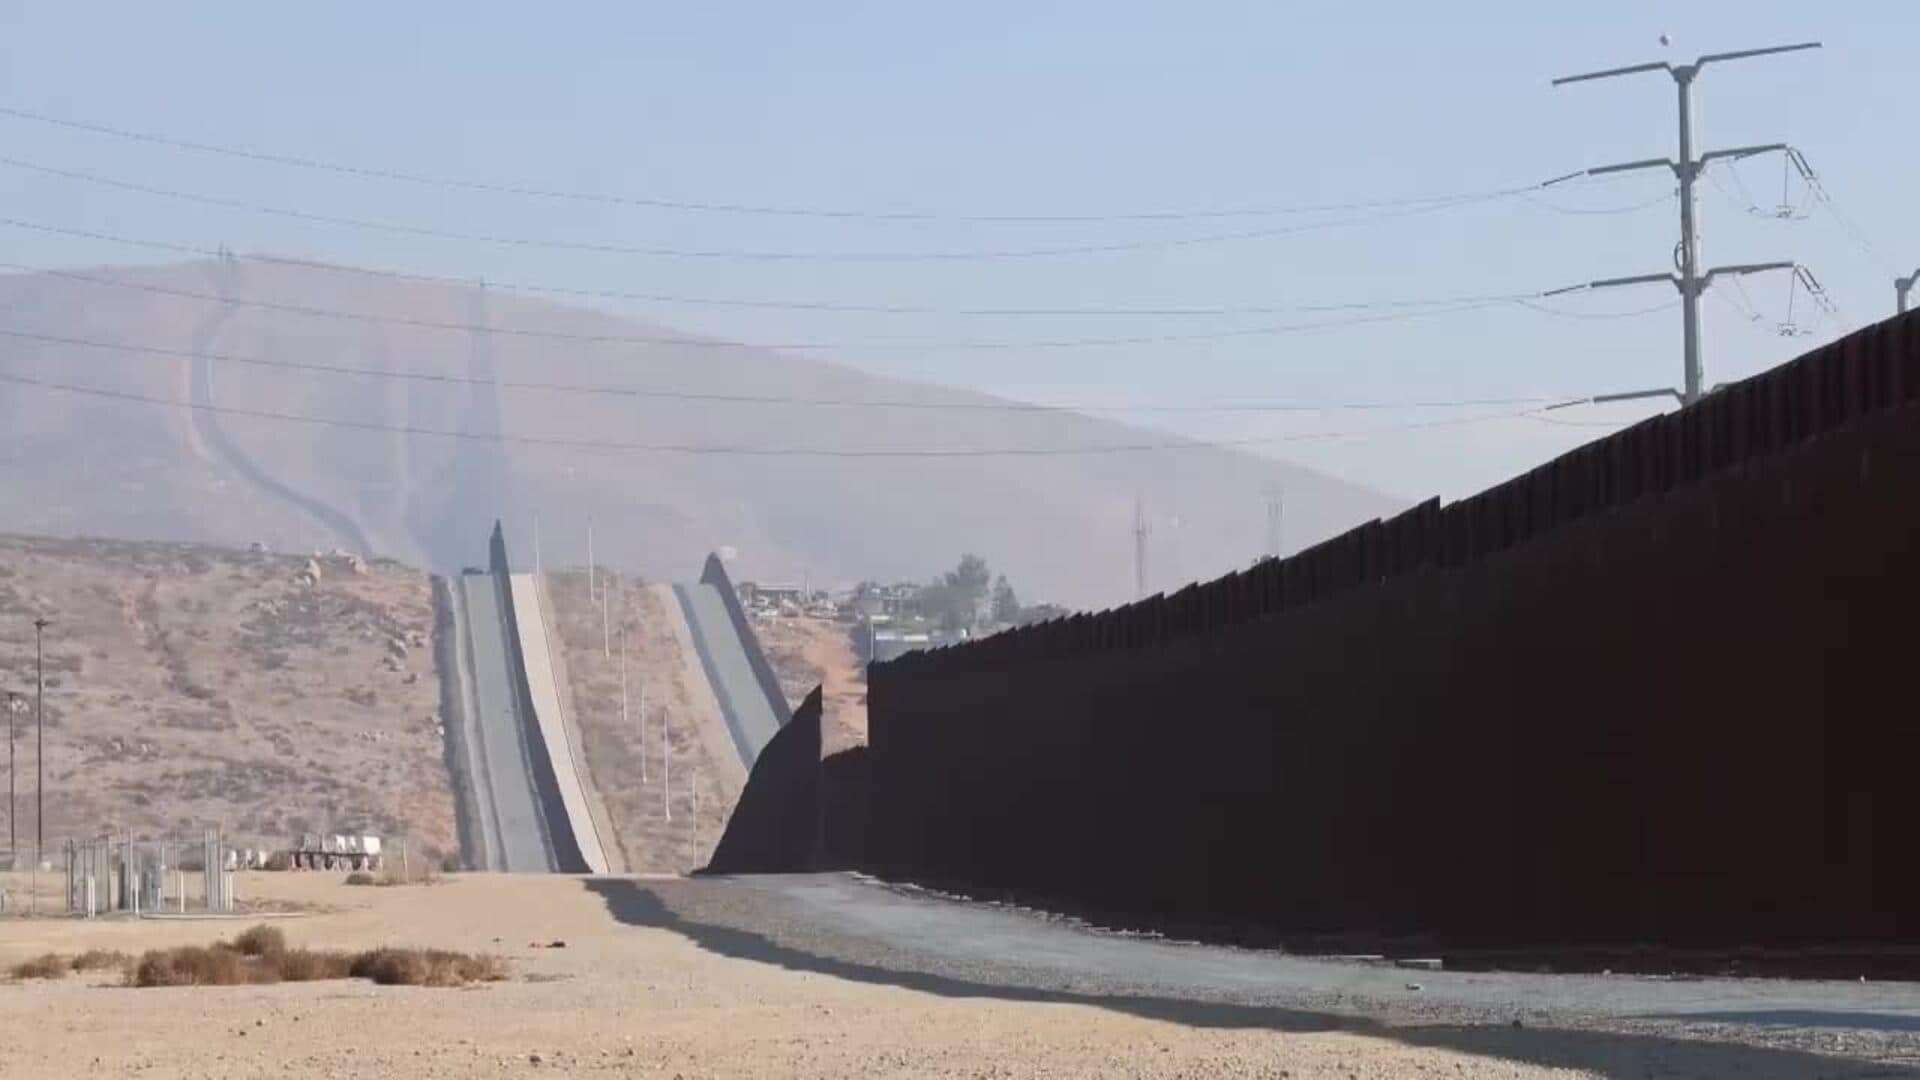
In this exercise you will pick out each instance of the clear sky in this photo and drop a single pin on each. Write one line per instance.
(993, 108)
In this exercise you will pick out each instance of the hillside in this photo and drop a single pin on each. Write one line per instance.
(190, 686)
(1058, 526)
(663, 686)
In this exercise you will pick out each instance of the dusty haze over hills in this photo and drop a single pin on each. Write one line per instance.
(1059, 526)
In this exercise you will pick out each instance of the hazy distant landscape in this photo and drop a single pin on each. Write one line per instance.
(1062, 526)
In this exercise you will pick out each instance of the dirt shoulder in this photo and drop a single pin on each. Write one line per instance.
(698, 979)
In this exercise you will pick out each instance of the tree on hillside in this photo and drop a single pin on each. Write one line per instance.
(957, 599)
(1006, 605)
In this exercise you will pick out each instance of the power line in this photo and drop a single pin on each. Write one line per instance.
(746, 451)
(800, 305)
(762, 399)
(1599, 211)
(1854, 232)
(497, 188)
(746, 255)
(1397, 313)
(1547, 309)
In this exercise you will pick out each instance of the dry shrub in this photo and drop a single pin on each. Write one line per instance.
(312, 965)
(261, 955)
(361, 877)
(261, 940)
(101, 960)
(197, 965)
(49, 966)
(426, 967)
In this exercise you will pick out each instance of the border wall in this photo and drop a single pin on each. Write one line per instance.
(714, 573)
(455, 751)
(775, 827)
(567, 856)
(1655, 690)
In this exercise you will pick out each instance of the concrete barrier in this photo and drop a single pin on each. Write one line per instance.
(560, 833)
(714, 573)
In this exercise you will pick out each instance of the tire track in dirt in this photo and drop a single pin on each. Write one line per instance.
(213, 442)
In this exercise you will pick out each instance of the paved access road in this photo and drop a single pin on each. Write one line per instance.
(1615, 1026)
(750, 716)
(504, 777)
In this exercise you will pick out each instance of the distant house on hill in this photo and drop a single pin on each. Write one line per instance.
(753, 594)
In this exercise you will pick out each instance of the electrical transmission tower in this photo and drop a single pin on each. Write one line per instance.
(1690, 280)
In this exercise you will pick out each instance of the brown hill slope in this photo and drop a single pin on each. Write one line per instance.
(1059, 526)
(190, 686)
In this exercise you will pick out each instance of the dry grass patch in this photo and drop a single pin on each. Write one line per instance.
(261, 940)
(426, 967)
(49, 966)
(102, 960)
(261, 955)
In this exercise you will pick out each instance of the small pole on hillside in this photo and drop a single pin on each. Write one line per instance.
(13, 709)
(666, 769)
(40, 740)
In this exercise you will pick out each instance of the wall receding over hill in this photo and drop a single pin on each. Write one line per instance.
(1649, 692)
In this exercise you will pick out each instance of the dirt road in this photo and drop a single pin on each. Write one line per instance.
(655, 981)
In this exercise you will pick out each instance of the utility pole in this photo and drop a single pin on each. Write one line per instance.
(666, 769)
(1273, 522)
(13, 710)
(40, 739)
(1139, 548)
(536, 545)
(589, 556)
(1689, 280)
(1902, 286)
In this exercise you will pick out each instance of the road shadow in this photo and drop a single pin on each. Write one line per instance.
(1608, 1054)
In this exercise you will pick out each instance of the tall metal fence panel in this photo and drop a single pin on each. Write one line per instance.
(1652, 690)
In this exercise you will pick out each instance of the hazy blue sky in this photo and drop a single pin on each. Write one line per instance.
(1023, 108)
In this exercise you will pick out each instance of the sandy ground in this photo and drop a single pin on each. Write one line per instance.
(192, 686)
(618, 1000)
